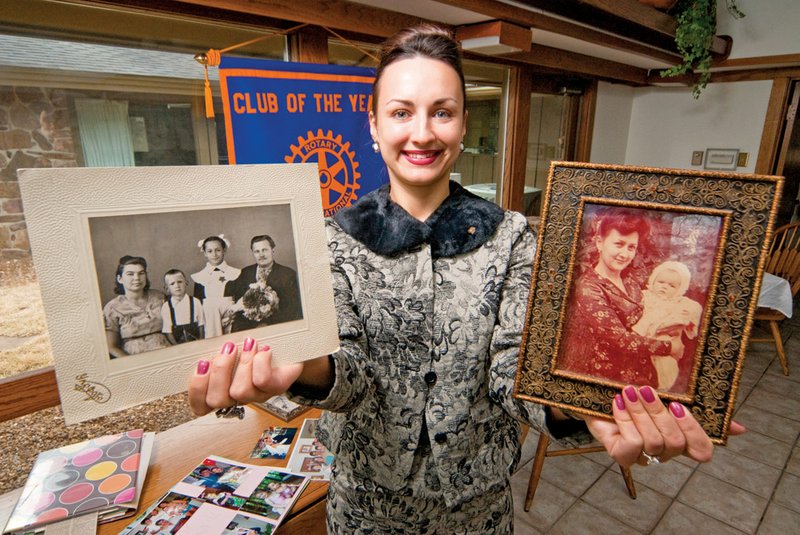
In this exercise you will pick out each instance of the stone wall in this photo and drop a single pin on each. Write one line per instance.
(35, 131)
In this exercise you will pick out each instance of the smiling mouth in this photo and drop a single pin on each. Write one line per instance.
(421, 157)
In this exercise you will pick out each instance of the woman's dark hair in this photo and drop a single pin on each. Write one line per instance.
(214, 238)
(426, 41)
(262, 237)
(623, 221)
(128, 260)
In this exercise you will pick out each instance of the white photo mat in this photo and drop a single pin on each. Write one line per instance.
(59, 204)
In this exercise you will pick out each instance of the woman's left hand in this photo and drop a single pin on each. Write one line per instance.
(645, 431)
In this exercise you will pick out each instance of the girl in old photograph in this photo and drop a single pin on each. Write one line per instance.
(669, 315)
(209, 285)
(133, 318)
(431, 286)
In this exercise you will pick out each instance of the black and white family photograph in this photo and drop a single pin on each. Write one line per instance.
(176, 277)
(169, 263)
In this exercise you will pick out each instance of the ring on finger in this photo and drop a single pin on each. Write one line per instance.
(650, 459)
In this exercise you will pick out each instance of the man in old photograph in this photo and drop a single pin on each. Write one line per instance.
(264, 293)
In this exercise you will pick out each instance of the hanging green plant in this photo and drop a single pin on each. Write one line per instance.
(694, 36)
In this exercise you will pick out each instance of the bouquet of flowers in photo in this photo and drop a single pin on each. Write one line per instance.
(260, 301)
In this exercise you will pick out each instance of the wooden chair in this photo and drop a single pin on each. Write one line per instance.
(542, 452)
(783, 261)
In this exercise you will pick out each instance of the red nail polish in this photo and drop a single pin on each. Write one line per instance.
(630, 393)
(266, 347)
(648, 394)
(248, 343)
(620, 402)
(228, 348)
(202, 367)
(677, 409)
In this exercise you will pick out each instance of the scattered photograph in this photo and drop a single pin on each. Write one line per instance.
(282, 407)
(167, 516)
(204, 504)
(248, 525)
(274, 443)
(274, 495)
(310, 457)
(217, 475)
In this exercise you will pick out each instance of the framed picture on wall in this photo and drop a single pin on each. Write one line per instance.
(645, 276)
(722, 159)
(143, 271)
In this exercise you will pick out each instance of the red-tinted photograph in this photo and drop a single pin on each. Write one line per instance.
(639, 291)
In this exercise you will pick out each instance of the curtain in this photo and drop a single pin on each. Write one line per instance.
(105, 133)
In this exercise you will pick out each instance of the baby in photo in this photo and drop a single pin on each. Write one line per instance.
(668, 315)
(181, 314)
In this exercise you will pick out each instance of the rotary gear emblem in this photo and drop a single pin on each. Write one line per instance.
(338, 175)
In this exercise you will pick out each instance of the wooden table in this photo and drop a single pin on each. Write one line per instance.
(177, 451)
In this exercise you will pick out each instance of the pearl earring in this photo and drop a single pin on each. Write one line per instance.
(462, 146)
(375, 147)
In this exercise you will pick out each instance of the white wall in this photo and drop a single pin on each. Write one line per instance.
(667, 124)
(612, 121)
(769, 27)
(661, 126)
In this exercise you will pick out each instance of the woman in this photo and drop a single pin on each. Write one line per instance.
(606, 301)
(133, 318)
(431, 286)
(209, 285)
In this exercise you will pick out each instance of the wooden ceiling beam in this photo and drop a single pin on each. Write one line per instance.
(541, 21)
(628, 18)
(362, 22)
(740, 75)
(338, 14)
(554, 58)
(773, 61)
(178, 8)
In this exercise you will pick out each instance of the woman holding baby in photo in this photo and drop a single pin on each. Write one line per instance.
(633, 332)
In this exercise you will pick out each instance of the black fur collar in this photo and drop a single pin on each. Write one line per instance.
(462, 222)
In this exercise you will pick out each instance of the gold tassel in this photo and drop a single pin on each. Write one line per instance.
(212, 57)
(209, 96)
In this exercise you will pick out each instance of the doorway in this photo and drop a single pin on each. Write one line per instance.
(788, 161)
(552, 133)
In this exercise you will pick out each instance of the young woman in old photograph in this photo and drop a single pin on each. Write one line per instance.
(133, 321)
(605, 302)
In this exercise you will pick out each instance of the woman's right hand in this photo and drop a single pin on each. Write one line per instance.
(222, 382)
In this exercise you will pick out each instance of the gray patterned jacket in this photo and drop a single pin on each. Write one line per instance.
(430, 320)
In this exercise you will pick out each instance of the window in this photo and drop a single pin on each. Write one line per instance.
(86, 85)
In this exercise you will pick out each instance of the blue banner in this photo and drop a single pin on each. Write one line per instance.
(277, 112)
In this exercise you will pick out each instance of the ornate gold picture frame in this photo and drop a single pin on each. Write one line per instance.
(645, 276)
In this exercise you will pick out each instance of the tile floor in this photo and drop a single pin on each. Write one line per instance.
(752, 486)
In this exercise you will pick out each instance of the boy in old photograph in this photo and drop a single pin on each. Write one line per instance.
(181, 314)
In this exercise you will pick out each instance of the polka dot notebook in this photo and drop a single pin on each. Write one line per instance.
(95, 475)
